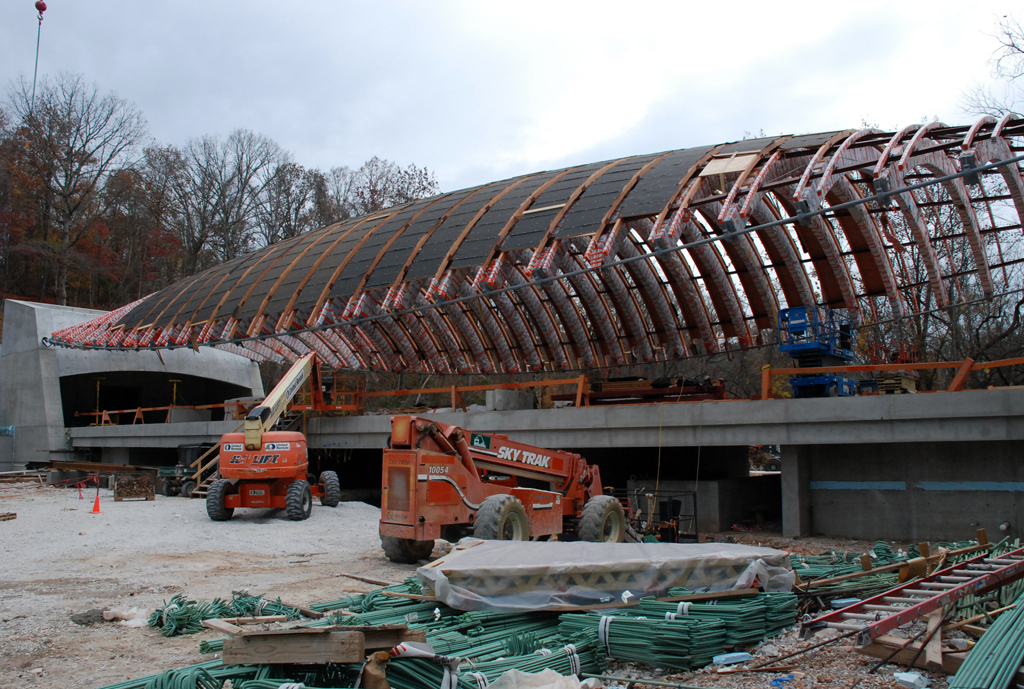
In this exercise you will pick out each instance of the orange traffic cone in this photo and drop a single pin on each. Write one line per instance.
(96, 505)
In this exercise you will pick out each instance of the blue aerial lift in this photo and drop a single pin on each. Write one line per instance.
(817, 336)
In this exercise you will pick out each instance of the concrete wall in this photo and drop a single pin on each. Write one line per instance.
(30, 397)
(910, 491)
(720, 504)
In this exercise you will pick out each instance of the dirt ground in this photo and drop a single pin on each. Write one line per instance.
(57, 559)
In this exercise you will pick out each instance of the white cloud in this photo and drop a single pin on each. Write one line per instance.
(480, 91)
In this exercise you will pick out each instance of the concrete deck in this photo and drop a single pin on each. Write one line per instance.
(973, 415)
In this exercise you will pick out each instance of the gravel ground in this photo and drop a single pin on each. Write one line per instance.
(57, 559)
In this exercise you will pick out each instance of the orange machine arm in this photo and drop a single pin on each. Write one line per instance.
(492, 452)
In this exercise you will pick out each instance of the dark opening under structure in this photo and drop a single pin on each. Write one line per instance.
(376, 292)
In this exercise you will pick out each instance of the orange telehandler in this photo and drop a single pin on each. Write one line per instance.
(437, 483)
(264, 468)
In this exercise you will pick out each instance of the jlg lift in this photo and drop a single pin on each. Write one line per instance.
(264, 468)
(437, 483)
(817, 336)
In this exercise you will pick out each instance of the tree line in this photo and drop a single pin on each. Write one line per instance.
(95, 213)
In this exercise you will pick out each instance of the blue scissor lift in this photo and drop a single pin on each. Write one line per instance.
(817, 336)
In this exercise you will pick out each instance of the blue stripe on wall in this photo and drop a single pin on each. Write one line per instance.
(1004, 486)
(858, 485)
(1012, 486)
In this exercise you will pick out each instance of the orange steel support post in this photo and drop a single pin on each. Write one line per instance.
(583, 398)
(766, 382)
(960, 379)
(457, 399)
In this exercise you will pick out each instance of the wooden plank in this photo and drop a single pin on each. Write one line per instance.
(306, 612)
(410, 596)
(387, 636)
(884, 645)
(222, 626)
(368, 580)
(7, 516)
(262, 619)
(294, 646)
(933, 649)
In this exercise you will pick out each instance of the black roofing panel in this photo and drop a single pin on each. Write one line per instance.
(229, 282)
(747, 145)
(485, 232)
(262, 288)
(427, 261)
(318, 280)
(403, 248)
(807, 141)
(653, 190)
(364, 257)
(529, 231)
(185, 302)
(284, 292)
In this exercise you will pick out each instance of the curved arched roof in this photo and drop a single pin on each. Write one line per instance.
(315, 291)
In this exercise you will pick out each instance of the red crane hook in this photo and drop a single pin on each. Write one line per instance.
(40, 7)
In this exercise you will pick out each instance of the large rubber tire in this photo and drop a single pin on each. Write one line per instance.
(406, 551)
(330, 489)
(603, 520)
(298, 501)
(215, 501)
(186, 489)
(168, 490)
(502, 518)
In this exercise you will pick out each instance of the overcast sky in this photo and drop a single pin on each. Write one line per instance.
(479, 91)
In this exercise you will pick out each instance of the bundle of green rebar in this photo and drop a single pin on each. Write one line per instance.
(182, 616)
(681, 643)
(568, 656)
(244, 605)
(994, 660)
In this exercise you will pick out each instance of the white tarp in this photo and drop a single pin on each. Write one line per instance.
(529, 575)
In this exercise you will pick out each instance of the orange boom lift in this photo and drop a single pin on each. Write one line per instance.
(264, 468)
(437, 483)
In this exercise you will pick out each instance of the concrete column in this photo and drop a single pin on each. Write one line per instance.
(796, 491)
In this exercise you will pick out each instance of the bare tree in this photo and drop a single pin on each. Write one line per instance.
(74, 138)
(1008, 65)
(285, 209)
(217, 189)
(380, 183)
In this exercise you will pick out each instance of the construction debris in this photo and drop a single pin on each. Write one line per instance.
(7, 516)
(134, 486)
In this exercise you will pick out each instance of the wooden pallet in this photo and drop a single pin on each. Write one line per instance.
(895, 383)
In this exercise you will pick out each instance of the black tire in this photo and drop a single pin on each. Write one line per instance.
(603, 520)
(502, 518)
(772, 466)
(406, 551)
(186, 489)
(215, 501)
(833, 390)
(168, 489)
(330, 489)
(298, 501)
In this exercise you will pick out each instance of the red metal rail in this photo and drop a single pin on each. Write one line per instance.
(905, 603)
